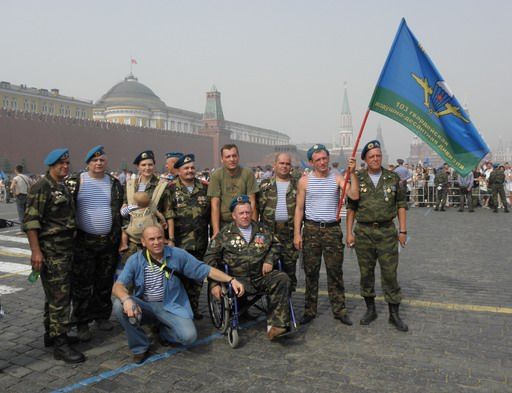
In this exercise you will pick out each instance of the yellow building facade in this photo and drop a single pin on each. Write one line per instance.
(43, 101)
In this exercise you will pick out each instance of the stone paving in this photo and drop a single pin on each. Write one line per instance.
(456, 278)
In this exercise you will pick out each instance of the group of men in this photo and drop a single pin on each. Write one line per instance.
(73, 224)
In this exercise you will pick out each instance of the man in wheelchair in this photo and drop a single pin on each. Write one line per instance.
(158, 294)
(250, 250)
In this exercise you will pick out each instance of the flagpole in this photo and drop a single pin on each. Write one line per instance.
(347, 173)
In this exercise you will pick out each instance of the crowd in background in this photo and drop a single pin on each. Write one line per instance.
(421, 190)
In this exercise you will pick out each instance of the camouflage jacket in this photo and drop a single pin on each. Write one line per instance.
(50, 210)
(496, 178)
(191, 214)
(441, 179)
(267, 201)
(116, 200)
(244, 260)
(378, 204)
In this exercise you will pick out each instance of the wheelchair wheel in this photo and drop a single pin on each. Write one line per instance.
(219, 310)
(233, 338)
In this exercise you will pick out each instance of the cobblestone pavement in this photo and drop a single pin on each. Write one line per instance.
(456, 278)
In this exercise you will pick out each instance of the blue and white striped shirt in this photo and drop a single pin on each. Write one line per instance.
(94, 213)
(322, 196)
(153, 284)
(281, 208)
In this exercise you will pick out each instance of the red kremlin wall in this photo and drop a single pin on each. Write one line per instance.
(29, 137)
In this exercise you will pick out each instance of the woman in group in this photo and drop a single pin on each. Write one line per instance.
(145, 181)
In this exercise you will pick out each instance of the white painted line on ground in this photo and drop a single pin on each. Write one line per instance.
(10, 230)
(18, 268)
(6, 290)
(14, 252)
(14, 239)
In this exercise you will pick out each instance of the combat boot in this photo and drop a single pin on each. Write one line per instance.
(394, 318)
(62, 351)
(371, 313)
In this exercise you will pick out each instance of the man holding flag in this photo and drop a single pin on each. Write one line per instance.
(380, 200)
(411, 91)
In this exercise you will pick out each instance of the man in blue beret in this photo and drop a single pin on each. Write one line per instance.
(374, 237)
(98, 198)
(251, 252)
(190, 216)
(50, 226)
(318, 195)
(170, 159)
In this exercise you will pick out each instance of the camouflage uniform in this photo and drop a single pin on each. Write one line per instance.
(376, 234)
(162, 206)
(441, 179)
(496, 183)
(245, 262)
(267, 202)
(95, 260)
(50, 211)
(326, 240)
(191, 214)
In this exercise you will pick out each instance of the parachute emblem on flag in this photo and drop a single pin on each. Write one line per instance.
(439, 100)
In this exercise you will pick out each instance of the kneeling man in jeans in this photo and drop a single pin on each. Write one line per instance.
(158, 294)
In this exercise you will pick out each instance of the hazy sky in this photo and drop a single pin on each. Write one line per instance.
(278, 64)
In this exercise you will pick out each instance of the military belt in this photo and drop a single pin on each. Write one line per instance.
(281, 225)
(90, 236)
(380, 224)
(322, 224)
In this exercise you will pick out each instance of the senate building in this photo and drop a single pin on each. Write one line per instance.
(128, 118)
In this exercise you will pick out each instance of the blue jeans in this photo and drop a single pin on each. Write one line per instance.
(21, 201)
(172, 328)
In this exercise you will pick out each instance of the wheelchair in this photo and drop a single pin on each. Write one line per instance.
(225, 312)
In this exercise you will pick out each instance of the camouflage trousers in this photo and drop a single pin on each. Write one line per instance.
(317, 241)
(288, 254)
(276, 286)
(95, 259)
(132, 249)
(193, 287)
(498, 189)
(56, 281)
(380, 244)
(442, 195)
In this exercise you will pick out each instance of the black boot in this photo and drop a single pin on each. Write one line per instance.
(48, 340)
(371, 313)
(394, 318)
(62, 351)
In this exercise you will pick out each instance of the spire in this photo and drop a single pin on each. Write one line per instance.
(213, 110)
(345, 109)
(345, 133)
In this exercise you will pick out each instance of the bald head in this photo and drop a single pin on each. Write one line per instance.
(283, 166)
(153, 240)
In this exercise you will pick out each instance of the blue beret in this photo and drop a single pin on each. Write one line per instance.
(145, 155)
(184, 159)
(316, 148)
(238, 200)
(369, 146)
(96, 151)
(173, 154)
(56, 155)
